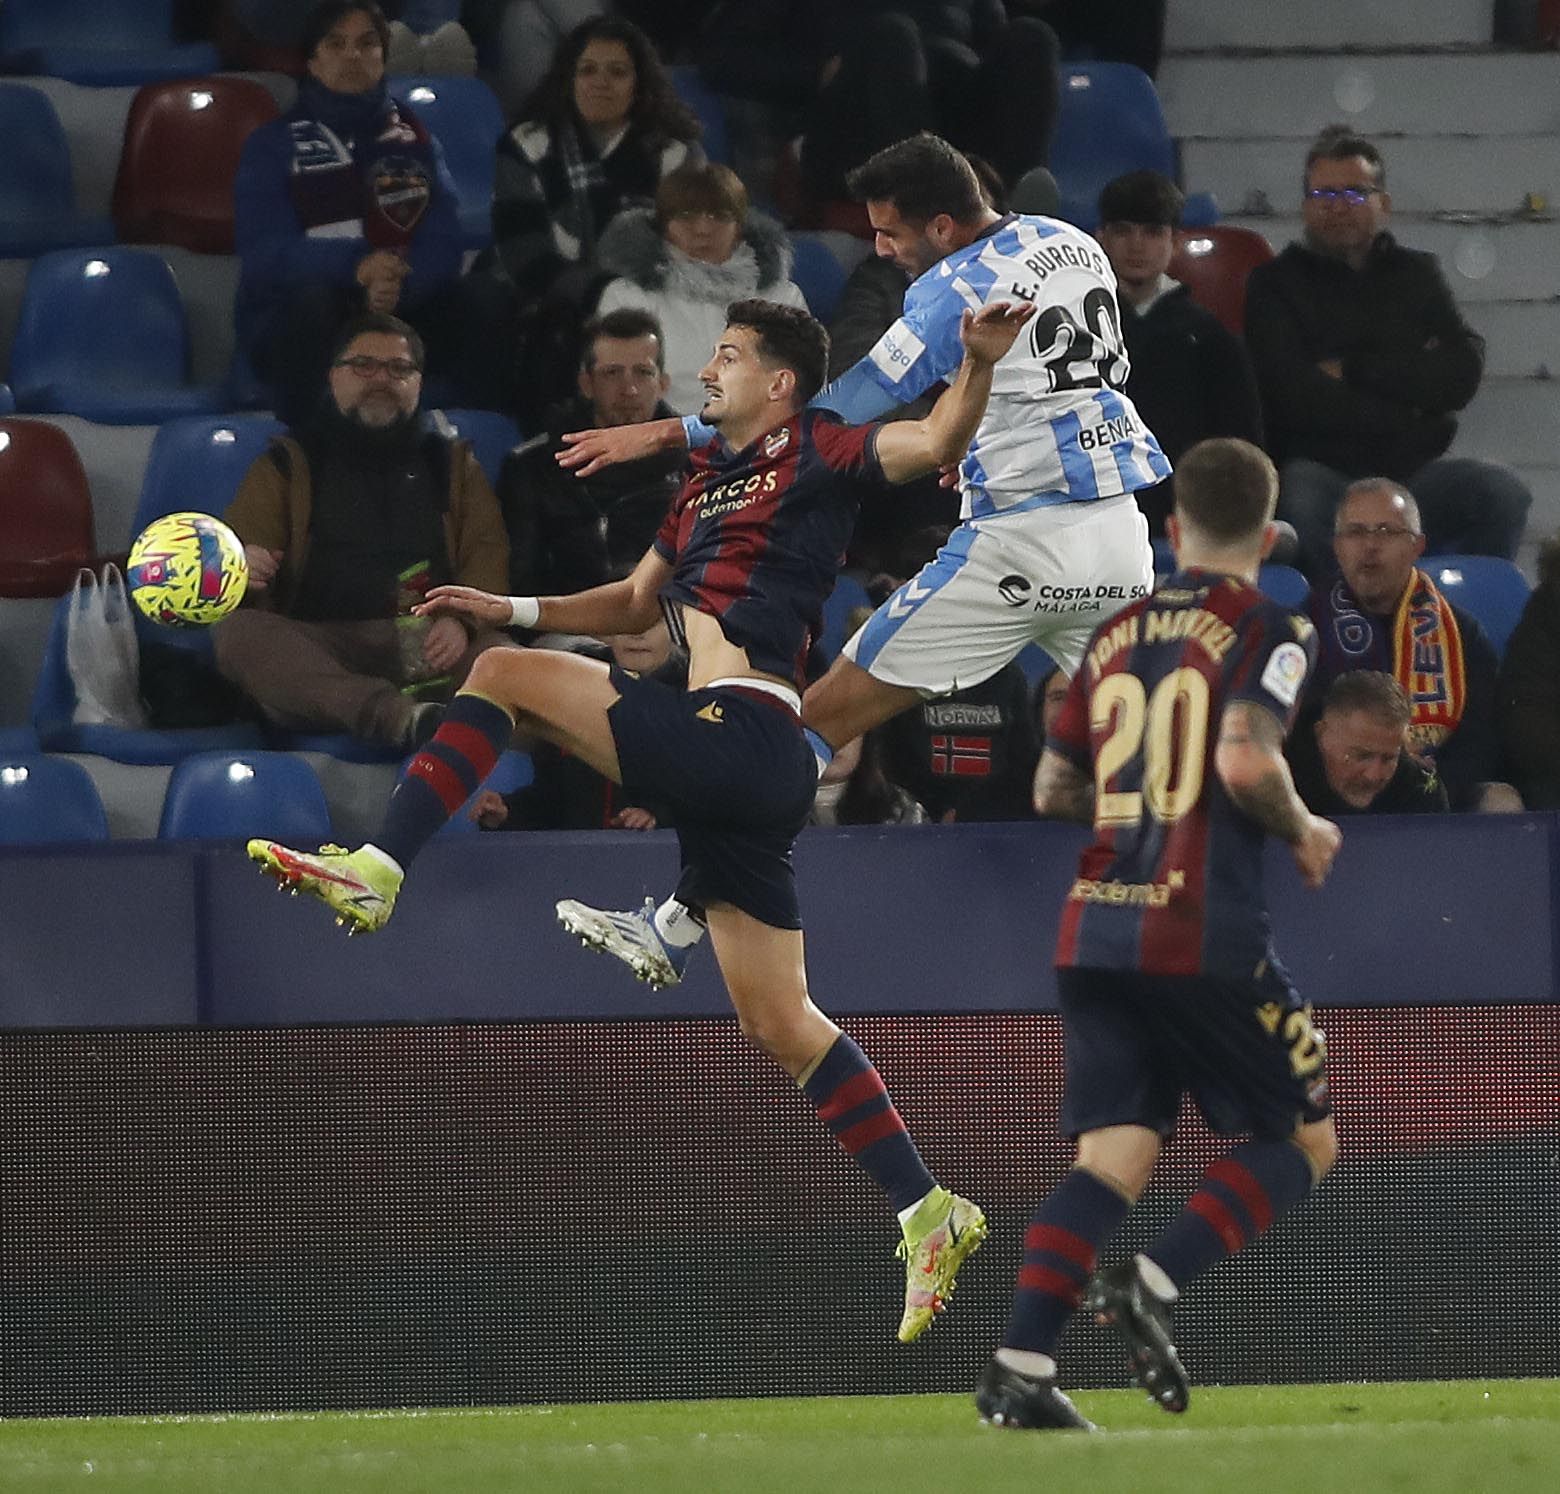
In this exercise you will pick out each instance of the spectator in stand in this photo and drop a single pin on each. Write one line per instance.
(347, 522)
(1190, 377)
(1528, 700)
(1354, 758)
(687, 260)
(596, 137)
(522, 38)
(1362, 357)
(1383, 613)
(853, 78)
(569, 533)
(1046, 700)
(565, 792)
(343, 205)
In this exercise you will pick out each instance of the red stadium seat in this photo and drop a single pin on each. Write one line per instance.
(181, 150)
(46, 532)
(1213, 264)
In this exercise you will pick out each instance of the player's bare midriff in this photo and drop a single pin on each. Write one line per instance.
(713, 656)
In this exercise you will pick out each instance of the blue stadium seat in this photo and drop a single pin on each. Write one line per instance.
(847, 596)
(818, 274)
(709, 108)
(7, 400)
(1492, 589)
(1035, 663)
(98, 42)
(1164, 556)
(236, 795)
(54, 705)
(102, 334)
(1109, 122)
(47, 799)
(492, 436)
(466, 118)
(37, 187)
(1284, 584)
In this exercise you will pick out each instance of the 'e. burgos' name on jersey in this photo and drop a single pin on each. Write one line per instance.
(1172, 884)
(1058, 425)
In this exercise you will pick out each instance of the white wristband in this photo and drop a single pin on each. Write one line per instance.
(524, 612)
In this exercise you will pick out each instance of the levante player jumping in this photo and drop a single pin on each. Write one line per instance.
(741, 567)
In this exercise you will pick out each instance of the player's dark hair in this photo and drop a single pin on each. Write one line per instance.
(380, 321)
(1339, 143)
(1226, 489)
(323, 18)
(1371, 691)
(1142, 197)
(922, 177)
(626, 324)
(787, 338)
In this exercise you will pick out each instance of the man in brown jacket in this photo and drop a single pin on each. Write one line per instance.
(348, 520)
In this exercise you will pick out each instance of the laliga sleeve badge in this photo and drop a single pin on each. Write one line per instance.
(1285, 673)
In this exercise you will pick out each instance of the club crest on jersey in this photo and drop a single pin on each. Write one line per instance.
(777, 441)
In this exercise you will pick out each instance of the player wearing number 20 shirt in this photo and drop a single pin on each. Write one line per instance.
(1172, 884)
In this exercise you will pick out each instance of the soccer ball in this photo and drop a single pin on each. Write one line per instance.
(187, 570)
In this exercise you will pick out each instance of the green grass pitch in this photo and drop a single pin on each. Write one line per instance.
(1463, 1436)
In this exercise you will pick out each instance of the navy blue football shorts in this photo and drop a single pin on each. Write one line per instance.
(735, 770)
(1245, 1051)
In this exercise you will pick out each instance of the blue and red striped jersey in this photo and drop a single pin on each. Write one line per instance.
(756, 536)
(1172, 882)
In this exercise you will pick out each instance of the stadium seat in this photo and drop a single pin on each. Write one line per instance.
(1035, 663)
(1492, 589)
(492, 436)
(37, 185)
(708, 107)
(1284, 584)
(54, 706)
(46, 529)
(236, 795)
(465, 117)
(102, 334)
(819, 274)
(181, 148)
(47, 800)
(1109, 122)
(98, 42)
(7, 400)
(1213, 264)
(1164, 556)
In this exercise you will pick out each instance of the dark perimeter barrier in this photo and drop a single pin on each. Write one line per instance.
(249, 1165)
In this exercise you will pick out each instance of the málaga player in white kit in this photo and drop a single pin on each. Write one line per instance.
(1050, 541)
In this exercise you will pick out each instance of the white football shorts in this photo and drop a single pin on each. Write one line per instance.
(1048, 576)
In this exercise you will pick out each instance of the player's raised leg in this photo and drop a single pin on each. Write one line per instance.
(766, 975)
(558, 696)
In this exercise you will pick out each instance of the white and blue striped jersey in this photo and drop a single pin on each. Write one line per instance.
(1058, 427)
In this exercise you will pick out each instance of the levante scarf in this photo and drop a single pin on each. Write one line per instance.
(1420, 647)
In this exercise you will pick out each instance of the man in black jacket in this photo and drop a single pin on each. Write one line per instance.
(1362, 357)
(1190, 377)
(1354, 757)
(566, 533)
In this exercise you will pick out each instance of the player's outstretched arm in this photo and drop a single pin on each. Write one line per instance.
(627, 606)
(585, 452)
(1249, 759)
(911, 448)
(1062, 791)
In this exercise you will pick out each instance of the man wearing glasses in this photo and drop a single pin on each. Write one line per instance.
(348, 520)
(1383, 612)
(1362, 357)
